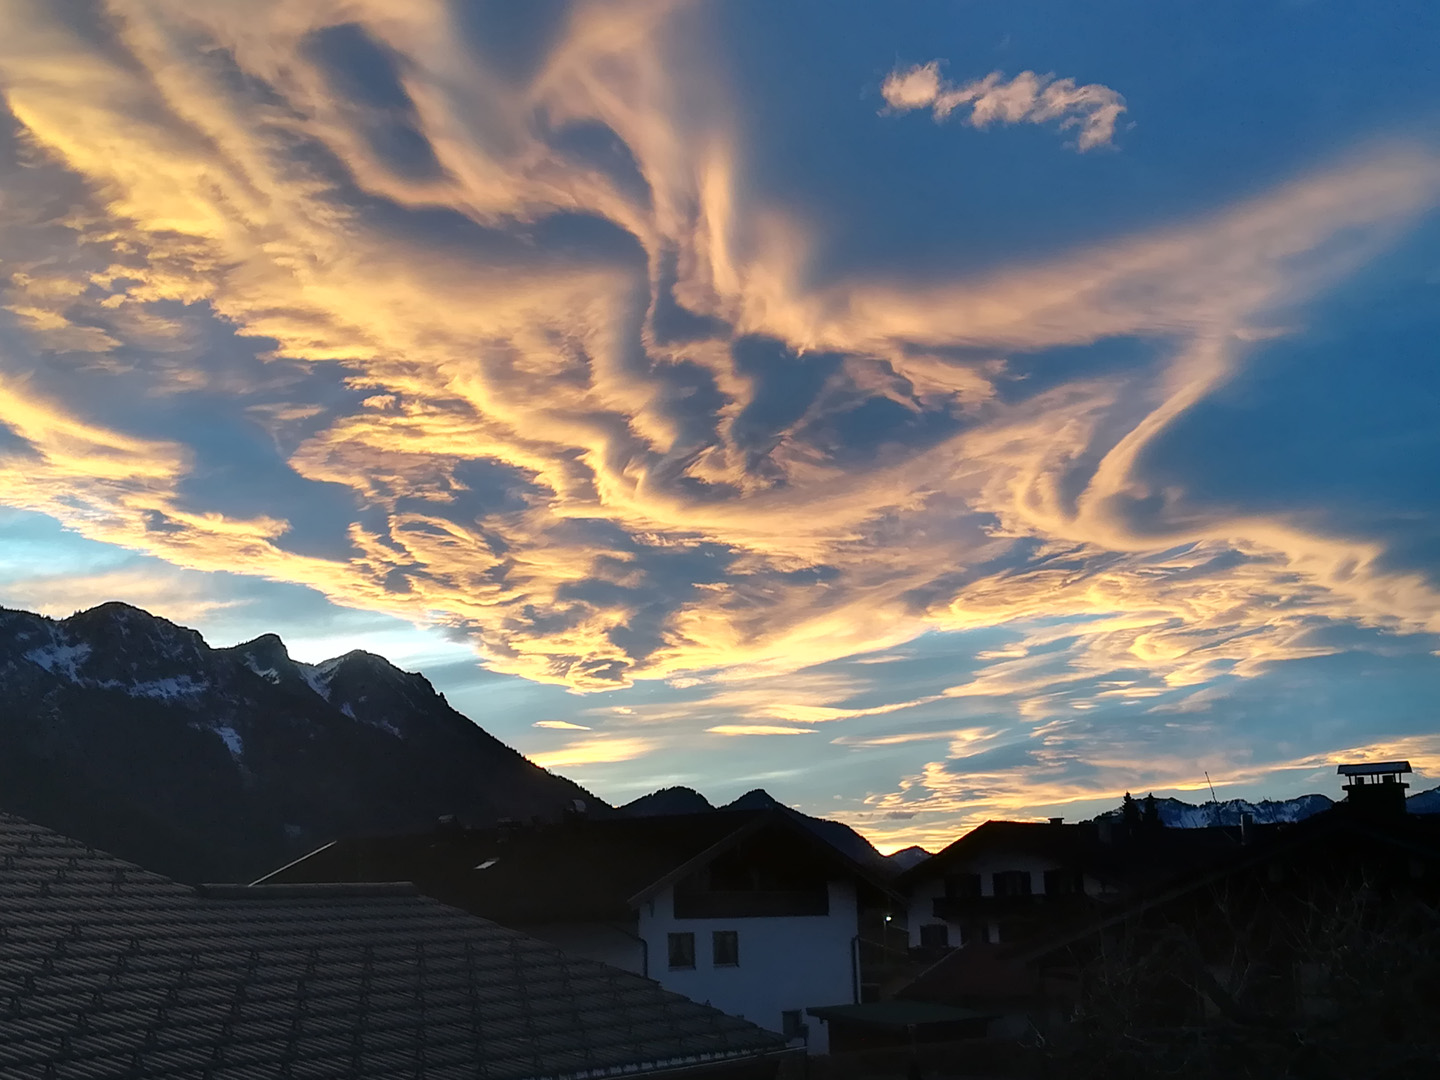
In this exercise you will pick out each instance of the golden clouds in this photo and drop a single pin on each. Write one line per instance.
(525, 286)
(597, 751)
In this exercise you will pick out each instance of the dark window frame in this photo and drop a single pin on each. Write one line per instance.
(962, 886)
(1012, 883)
(934, 935)
(681, 947)
(1064, 882)
(731, 948)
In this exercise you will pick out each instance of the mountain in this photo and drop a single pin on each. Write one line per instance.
(670, 800)
(131, 733)
(683, 800)
(905, 858)
(1424, 802)
(1176, 814)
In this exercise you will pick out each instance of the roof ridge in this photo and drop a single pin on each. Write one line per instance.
(306, 890)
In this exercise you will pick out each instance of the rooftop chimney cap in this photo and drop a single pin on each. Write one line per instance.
(1373, 768)
(1057, 821)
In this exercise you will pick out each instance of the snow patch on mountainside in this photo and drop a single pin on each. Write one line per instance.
(1175, 814)
(269, 674)
(317, 680)
(60, 659)
(177, 686)
(232, 740)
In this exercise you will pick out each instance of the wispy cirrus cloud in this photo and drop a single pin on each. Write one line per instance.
(757, 729)
(600, 750)
(1028, 98)
(517, 343)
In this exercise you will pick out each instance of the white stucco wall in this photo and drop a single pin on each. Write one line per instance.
(790, 962)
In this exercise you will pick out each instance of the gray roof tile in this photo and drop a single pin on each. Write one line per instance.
(108, 971)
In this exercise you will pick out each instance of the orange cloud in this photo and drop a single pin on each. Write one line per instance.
(628, 534)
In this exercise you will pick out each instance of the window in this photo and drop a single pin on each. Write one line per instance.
(962, 886)
(682, 951)
(935, 936)
(1012, 883)
(792, 1024)
(1064, 883)
(725, 946)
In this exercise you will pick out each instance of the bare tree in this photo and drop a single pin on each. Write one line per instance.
(1277, 972)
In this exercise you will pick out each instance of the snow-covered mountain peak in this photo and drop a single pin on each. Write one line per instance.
(1175, 814)
(266, 656)
(197, 755)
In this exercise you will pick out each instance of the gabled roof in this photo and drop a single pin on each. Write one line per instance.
(107, 970)
(1147, 855)
(579, 871)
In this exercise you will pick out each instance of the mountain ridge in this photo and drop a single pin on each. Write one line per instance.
(225, 762)
(1177, 814)
(684, 800)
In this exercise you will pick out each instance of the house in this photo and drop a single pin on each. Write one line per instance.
(1006, 880)
(748, 911)
(107, 970)
(1326, 928)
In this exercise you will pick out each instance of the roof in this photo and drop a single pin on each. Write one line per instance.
(1373, 768)
(107, 970)
(1101, 849)
(579, 871)
(898, 1013)
(977, 972)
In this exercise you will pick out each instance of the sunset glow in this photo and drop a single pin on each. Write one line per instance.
(943, 409)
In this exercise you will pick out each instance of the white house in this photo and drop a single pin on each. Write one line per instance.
(749, 911)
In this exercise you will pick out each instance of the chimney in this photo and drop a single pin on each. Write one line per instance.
(1057, 821)
(1375, 789)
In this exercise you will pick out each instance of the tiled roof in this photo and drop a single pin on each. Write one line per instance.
(107, 970)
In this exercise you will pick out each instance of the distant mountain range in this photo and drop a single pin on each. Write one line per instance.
(131, 733)
(684, 800)
(1176, 814)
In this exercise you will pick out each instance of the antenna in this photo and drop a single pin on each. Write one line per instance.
(1212, 787)
(1215, 817)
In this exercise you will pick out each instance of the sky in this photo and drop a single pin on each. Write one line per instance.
(928, 412)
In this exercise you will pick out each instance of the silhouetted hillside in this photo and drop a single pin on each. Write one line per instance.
(131, 733)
